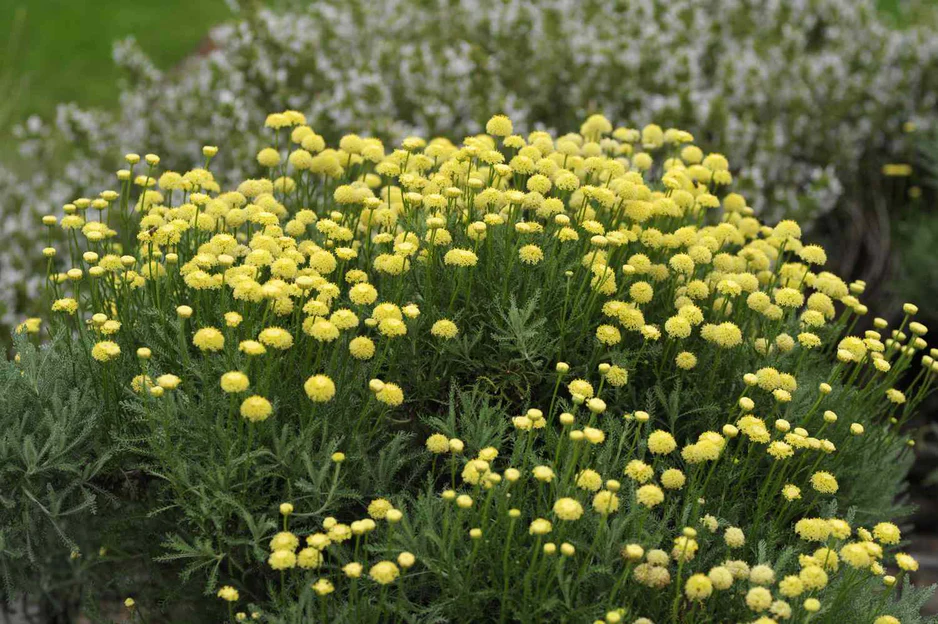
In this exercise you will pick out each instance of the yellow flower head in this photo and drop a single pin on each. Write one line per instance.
(568, 509)
(256, 408)
(319, 388)
(209, 339)
(444, 329)
(105, 351)
(384, 572)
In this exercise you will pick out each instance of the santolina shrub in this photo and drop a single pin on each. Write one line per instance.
(807, 96)
(523, 378)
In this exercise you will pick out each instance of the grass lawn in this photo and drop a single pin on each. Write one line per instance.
(903, 13)
(64, 48)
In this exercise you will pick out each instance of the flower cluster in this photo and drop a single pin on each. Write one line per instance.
(572, 376)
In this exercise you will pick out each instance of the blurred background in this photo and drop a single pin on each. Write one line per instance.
(828, 109)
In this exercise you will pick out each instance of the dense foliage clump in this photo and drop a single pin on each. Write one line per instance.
(523, 378)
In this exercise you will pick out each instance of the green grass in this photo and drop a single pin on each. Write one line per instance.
(64, 52)
(905, 13)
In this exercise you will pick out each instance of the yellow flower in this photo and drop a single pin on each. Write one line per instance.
(605, 502)
(617, 376)
(488, 454)
(639, 471)
(649, 495)
(780, 450)
(887, 533)
(791, 492)
(499, 125)
(608, 335)
(252, 347)
(531, 254)
(698, 587)
(209, 339)
(363, 294)
(824, 482)
(67, 305)
(444, 329)
(267, 157)
(282, 559)
(734, 537)
(309, 558)
(234, 381)
(256, 408)
(228, 593)
(319, 388)
(384, 572)
(581, 387)
(677, 327)
(568, 509)
(721, 577)
(379, 508)
(726, 335)
(438, 444)
(589, 480)
(320, 329)
(168, 381)
(540, 526)
(276, 338)
(791, 587)
(661, 442)
(284, 541)
(813, 577)
(813, 529)
(105, 351)
(758, 599)
(895, 396)
(323, 587)
(685, 360)
(856, 555)
(392, 327)
(906, 562)
(897, 170)
(685, 548)
(406, 560)
(460, 258)
(641, 292)
(543, 474)
(390, 394)
(673, 479)
(362, 348)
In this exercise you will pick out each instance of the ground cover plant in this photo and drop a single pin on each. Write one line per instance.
(527, 377)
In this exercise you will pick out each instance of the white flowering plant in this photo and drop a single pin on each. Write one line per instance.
(810, 97)
(528, 377)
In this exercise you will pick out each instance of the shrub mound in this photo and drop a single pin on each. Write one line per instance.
(524, 378)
